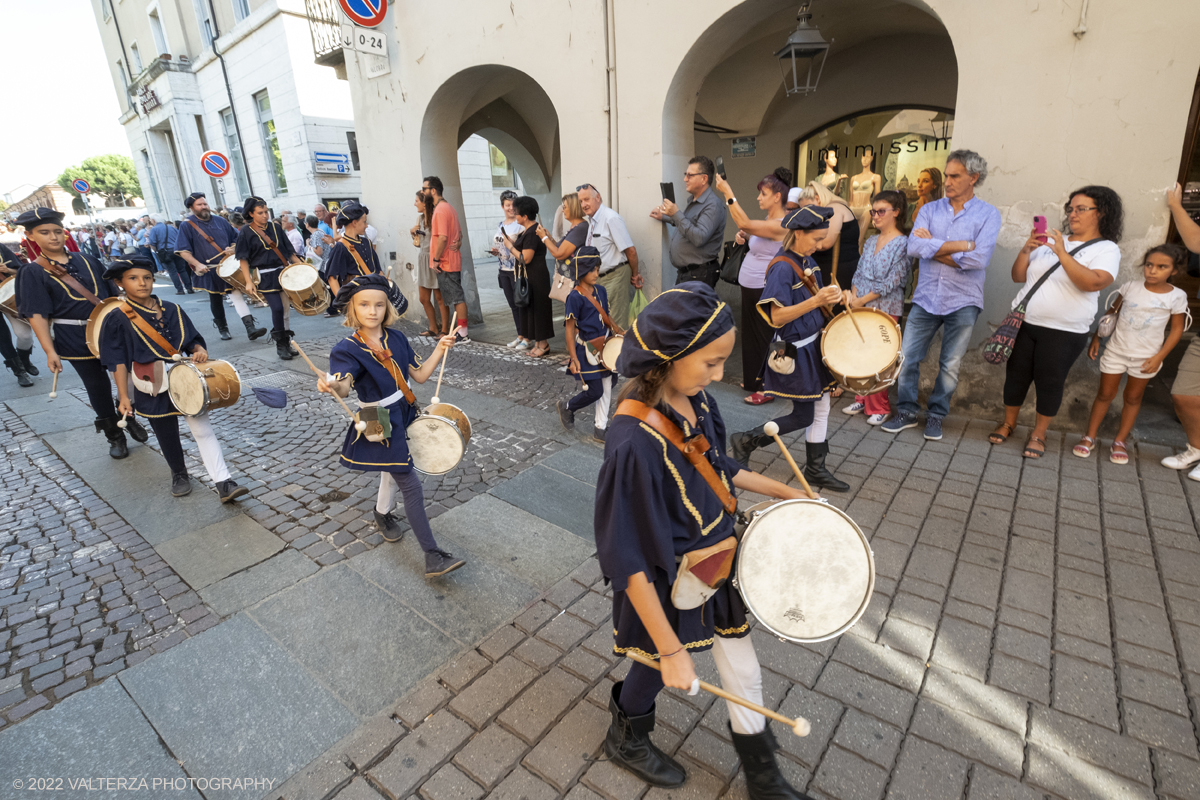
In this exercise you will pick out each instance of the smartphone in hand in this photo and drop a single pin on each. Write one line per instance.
(1039, 228)
(720, 164)
(668, 191)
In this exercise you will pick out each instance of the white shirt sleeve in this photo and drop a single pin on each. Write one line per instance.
(1106, 257)
(619, 233)
(1179, 301)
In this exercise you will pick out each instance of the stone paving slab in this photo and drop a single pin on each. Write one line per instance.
(555, 497)
(206, 555)
(242, 590)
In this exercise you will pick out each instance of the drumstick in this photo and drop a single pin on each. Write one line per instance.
(772, 429)
(800, 726)
(359, 425)
(807, 279)
(436, 399)
(54, 387)
(849, 311)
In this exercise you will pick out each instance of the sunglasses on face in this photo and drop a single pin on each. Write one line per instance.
(879, 212)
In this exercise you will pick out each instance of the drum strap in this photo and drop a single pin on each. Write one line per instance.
(693, 449)
(607, 320)
(140, 323)
(362, 265)
(384, 357)
(809, 282)
(269, 243)
(60, 273)
(209, 239)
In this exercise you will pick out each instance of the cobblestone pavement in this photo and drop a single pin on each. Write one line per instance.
(82, 595)
(1033, 633)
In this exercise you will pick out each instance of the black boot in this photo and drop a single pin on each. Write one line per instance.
(628, 745)
(763, 780)
(117, 446)
(815, 472)
(223, 331)
(281, 345)
(291, 349)
(252, 329)
(19, 370)
(741, 445)
(24, 355)
(136, 430)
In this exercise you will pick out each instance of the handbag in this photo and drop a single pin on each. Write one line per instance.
(732, 266)
(999, 345)
(522, 295)
(1108, 323)
(560, 287)
(782, 357)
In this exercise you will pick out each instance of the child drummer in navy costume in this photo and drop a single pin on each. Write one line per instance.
(652, 507)
(263, 245)
(378, 362)
(585, 323)
(792, 304)
(129, 348)
(341, 265)
(46, 296)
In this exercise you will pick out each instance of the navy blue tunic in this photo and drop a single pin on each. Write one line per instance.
(589, 325)
(39, 292)
(189, 239)
(651, 506)
(341, 264)
(254, 248)
(784, 288)
(351, 358)
(122, 343)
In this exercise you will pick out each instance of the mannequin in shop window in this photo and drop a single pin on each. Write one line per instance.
(831, 179)
(864, 186)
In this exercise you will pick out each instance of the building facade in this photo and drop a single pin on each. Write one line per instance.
(238, 77)
(50, 196)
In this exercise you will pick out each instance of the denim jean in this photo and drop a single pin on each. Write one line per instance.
(918, 333)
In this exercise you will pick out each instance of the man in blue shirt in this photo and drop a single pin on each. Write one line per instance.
(162, 242)
(954, 238)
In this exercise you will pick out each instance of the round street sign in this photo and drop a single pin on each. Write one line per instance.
(81, 186)
(367, 13)
(214, 164)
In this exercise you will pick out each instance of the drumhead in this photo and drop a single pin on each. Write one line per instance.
(847, 354)
(455, 415)
(96, 322)
(298, 277)
(228, 267)
(188, 389)
(805, 570)
(612, 349)
(435, 443)
(8, 291)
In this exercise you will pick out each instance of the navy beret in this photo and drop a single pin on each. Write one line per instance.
(350, 211)
(678, 322)
(122, 264)
(808, 218)
(39, 216)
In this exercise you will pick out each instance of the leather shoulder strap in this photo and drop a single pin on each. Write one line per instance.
(607, 320)
(140, 323)
(387, 362)
(362, 265)
(266, 239)
(693, 450)
(65, 277)
(207, 238)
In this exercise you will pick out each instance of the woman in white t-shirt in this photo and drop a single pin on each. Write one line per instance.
(508, 263)
(1059, 315)
(1138, 345)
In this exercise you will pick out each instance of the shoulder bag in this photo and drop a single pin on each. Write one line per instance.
(732, 266)
(999, 345)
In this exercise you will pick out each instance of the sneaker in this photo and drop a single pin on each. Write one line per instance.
(566, 416)
(933, 428)
(1182, 460)
(461, 338)
(877, 419)
(180, 485)
(1195, 474)
(855, 408)
(522, 345)
(230, 491)
(899, 423)
(598, 435)
(439, 562)
(389, 526)
(515, 342)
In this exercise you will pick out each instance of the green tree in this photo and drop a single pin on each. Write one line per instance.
(112, 175)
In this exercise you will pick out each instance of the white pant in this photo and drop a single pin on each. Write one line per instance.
(741, 675)
(239, 303)
(820, 424)
(210, 448)
(22, 332)
(603, 403)
(387, 493)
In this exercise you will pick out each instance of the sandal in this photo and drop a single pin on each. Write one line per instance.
(1084, 448)
(1118, 453)
(758, 399)
(996, 437)
(836, 393)
(1030, 452)
(538, 352)
(429, 332)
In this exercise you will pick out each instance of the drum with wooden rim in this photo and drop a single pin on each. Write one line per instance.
(438, 438)
(196, 388)
(230, 271)
(863, 364)
(304, 289)
(8, 298)
(96, 322)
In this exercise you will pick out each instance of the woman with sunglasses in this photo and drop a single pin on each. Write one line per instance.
(879, 281)
(1075, 267)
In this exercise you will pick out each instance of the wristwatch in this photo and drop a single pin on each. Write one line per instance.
(731, 201)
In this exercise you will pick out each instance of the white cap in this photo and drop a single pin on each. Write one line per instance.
(794, 195)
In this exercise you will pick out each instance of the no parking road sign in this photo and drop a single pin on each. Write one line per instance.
(81, 186)
(215, 164)
(367, 13)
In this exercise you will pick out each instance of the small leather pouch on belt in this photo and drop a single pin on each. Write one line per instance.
(701, 573)
(781, 357)
(593, 348)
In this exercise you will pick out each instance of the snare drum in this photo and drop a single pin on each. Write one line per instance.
(863, 367)
(612, 349)
(196, 388)
(804, 569)
(96, 322)
(230, 271)
(304, 289)
(438, 438)
(8, 298)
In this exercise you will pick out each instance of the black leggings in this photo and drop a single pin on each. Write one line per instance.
(167, 431)
(216, 304)
(99, 387)
(801, 416)
(1042, 357)
(6, 343)
(641, 686)
(275, 301)
(756, 338)
(508, 285)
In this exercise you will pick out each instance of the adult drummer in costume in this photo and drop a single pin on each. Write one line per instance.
(653, 506)
(378, 362)
(59, 290)
(263, 245)
(792, 303)
(137, 343)
(16, 358)
(204, 241)
(352, 254)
